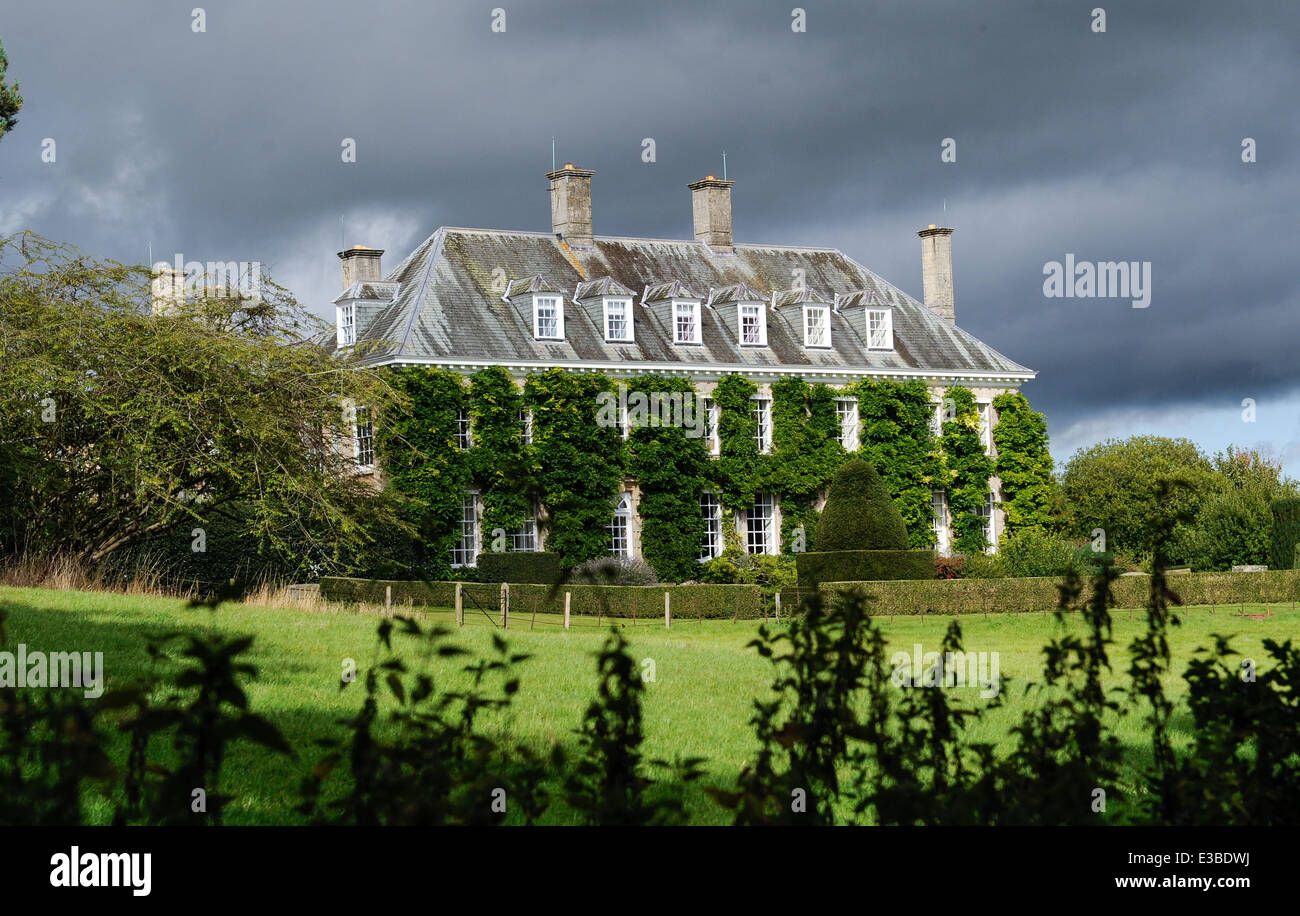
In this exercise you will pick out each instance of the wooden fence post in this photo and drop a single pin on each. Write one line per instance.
(668, 614)
(505, 605)
(566, 610)
(460, 604)
(778, 605)
(388, 601)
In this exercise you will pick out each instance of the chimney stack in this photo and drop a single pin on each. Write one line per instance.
(361, 264)
(936, 271)
(711, 208)
(571, 204)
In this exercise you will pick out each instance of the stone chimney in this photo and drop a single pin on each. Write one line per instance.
(571, 204)
(711, 208)
(361, 264)
(936, 271)
(168, 289)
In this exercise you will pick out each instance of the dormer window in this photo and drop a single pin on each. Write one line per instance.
(686, 322)
(618, 320)
(548, 318)
(880, 329)
(347, 325)
(816, 326)
(753, 324)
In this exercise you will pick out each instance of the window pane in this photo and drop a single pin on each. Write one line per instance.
(758, 525)
(711, 541)
(685, 313)
(365, 439)
(465, 551)
(762, 423)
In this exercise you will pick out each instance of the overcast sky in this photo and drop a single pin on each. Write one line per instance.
(225, 144)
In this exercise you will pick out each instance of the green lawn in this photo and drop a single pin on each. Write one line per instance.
(699, 704)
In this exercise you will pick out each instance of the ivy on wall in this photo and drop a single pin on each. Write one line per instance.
(417, 448)
(575, 467)
(897, 440)
(670, 465)
(578, 463)
(968, 470)
(500, 461)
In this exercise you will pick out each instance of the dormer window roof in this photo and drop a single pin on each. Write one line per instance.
(678, 307)
(737, 292)
(599, 289)
(673, 289)
(743, 308)
(609, 305)
(547, 305)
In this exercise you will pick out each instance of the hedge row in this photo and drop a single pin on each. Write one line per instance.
(975, 596)
(863, 565)
(642, 601)
(533, 566)
(1286, 534)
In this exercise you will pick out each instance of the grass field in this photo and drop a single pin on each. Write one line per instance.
(699, 704)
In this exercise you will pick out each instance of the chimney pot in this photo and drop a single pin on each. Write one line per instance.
(571, 204)
(711, 212)
(936, 271)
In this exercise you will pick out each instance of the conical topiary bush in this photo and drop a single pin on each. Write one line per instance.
(859, 513)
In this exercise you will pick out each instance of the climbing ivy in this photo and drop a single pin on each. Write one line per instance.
(897, 440)
(1024, 463)
(578, 463)
(736, 470)
(968, 469)
(805, 454)
(500, 462)
(670, 465)
(417, 447)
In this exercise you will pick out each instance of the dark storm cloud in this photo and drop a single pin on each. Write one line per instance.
(1124, 145)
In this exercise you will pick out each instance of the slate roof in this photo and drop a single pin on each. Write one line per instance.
(447, 309)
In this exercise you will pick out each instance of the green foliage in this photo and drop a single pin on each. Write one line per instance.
(1023, 464)
(10, 100)
(864, 565)
(122, 426)
(1034, 552)
(1286, 533)
(417, 445)
(500, 463)
(983, 566)
(618, 570)
(537, 567)
(1235, 522)
(897, 440)
(735, 566)
(578, 462)
(805, 453)
(1112, 486)
(968, 469)
(671, 468)
(737, 468)
(859, 514)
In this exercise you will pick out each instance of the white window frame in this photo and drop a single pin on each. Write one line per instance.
(464, 429)
(939, 522)
(849, 425)
(936, 419)
(526, 425)
(761, 410)
(524, 539)
(620, 527)
(363, 439)
(347, 324)
(712, 542)
(985, 411)
(808, 311)
(762, 512)
(559, 316)
(712, 418)
(694, 307)
(990, 534)
(880, 336)
(463, 553)
(628, 334)
(760, 312)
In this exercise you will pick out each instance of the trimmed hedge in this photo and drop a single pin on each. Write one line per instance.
(641, 601)
(536, 567)
(860, 565)
(974, 596)
(1286, 533)
(859, 514)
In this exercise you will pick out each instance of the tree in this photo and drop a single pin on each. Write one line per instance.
(1112, 486)
(10, 100)
(124, 426)
(1235, 522)
(968, 471)
(859, 515)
